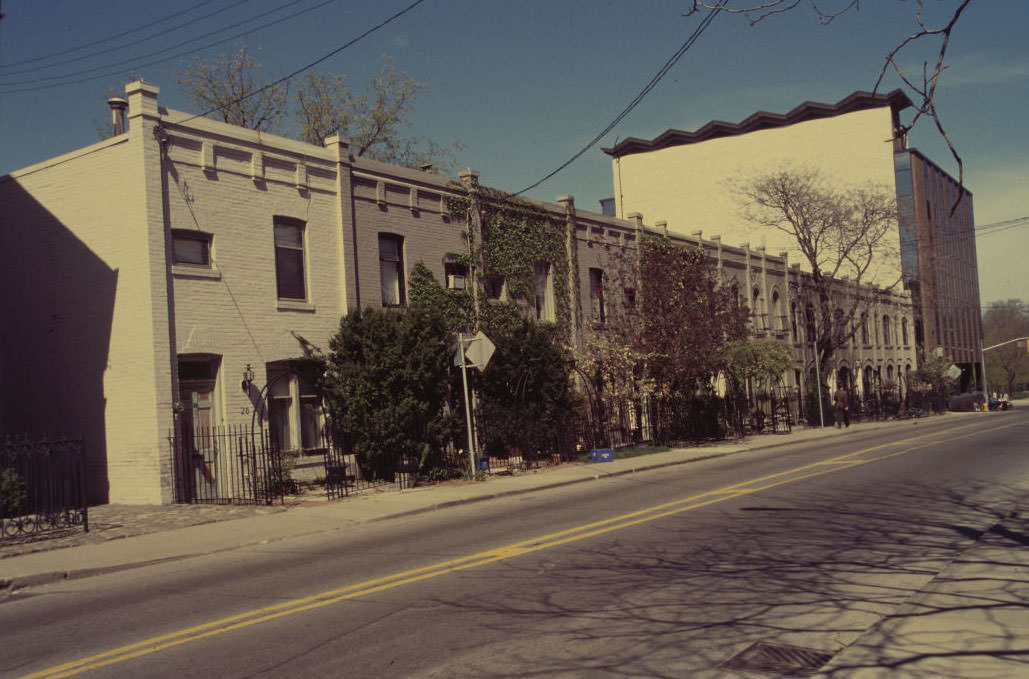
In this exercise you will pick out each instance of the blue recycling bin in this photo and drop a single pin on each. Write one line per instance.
(602, 455)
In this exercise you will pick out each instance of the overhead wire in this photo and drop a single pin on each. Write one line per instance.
(312, 64)
(44, 57)
(179, 54)
(705, 22)
(126, 45)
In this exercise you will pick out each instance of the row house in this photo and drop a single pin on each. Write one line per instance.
(176, 275)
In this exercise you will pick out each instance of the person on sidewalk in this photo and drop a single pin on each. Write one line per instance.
(842, 399)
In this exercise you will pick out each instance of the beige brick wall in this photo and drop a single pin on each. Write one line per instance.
(84, 355)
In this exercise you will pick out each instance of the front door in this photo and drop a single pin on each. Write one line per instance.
(198, 435)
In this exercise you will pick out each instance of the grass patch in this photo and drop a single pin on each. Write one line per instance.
(623, 453)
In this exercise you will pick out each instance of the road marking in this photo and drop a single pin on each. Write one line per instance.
(569, 535)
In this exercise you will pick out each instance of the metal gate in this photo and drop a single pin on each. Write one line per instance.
(227, 465)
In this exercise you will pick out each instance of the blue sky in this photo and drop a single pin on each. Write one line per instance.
(525, 84)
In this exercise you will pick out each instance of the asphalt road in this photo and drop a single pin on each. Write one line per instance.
(667, 573)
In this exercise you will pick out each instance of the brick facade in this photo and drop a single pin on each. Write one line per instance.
(150, 266)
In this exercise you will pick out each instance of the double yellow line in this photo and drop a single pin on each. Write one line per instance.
(582, 532)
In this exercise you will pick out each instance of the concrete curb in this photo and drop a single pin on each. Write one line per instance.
(595, 472)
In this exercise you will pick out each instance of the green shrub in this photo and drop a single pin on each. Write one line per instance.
(12, 493)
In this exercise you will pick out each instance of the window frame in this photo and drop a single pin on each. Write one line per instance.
(287, 255)
(396, 268)
(598, 313)
(192, 235)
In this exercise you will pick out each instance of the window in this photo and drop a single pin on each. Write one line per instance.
(886, 331)
(289, 258)
(809, 322)
(494, 286)
(192, 248)
(391, 269)
(793, 323)
(544, 292)
(904, 330)
(597, 310)
(294, 406)
(864, 329)
(629, 299)
(456, 275)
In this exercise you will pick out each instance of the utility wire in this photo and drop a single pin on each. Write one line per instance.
(77, 74)
(705, 22)
(125, 45)
(179, 54)
(109, 38)
(312, 64)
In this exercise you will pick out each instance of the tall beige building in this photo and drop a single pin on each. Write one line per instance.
(693, 180)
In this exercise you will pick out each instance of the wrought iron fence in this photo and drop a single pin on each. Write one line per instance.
(229, 465)
(42, 486)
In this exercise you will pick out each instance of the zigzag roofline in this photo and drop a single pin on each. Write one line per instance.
(763, 120)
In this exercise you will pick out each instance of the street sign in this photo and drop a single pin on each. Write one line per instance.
(953, 372)
(480, 350)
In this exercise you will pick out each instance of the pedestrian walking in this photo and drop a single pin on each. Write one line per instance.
(842, 399)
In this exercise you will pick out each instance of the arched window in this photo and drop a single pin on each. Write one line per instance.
(904, 330)
(809, 322)
(777, 319)
(886, 330)
(793, 320)
(864, 329)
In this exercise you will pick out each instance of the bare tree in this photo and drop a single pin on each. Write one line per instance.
(923, 87)
(1002, 322)
(845, 236)
(227, 88)
(375, 120)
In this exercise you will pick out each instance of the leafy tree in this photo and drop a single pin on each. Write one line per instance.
(525, 394)
(750, 358)
(846, 238)
(228, 87)
(1006, 365)
(688, 316)
(385, 384)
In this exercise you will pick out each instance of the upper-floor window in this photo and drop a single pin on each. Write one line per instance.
(192, 248)
(544, 291)
(886, 331)
(495, 287)
(289, 258)
(597, 311)
(456, 275)
(904, 330)
(864, 329)
(391, 269)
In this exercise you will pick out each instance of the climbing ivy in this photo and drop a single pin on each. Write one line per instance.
(515, 235)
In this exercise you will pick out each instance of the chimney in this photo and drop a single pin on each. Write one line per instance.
(118, 106)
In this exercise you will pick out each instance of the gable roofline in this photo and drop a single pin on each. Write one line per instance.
(763, 120)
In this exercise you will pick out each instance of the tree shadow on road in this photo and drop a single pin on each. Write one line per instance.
(803, 569)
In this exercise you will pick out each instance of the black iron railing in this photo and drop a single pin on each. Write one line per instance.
(229, 465)
(42, 486)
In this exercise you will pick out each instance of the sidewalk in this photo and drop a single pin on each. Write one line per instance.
(128, 536)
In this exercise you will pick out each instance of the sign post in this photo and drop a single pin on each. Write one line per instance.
(472, 351)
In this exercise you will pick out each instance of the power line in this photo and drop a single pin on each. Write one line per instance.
(44, 57)
(312, 64)
(179, 54)
(121, 46)
(639, 97)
